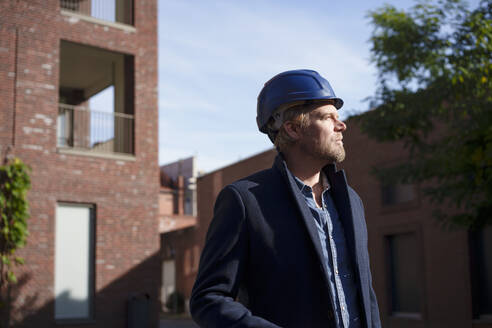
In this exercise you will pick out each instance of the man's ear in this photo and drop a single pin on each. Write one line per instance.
(293, 130)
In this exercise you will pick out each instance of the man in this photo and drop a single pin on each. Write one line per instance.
(287, 246)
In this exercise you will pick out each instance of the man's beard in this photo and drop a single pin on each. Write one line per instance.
(331, 153)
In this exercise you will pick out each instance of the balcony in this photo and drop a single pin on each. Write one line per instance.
(96, 101)
(94, 131)
(115, 11)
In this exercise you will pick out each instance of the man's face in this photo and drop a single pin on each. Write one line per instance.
(322, 139)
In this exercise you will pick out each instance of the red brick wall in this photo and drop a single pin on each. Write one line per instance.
(8, 42)
(166, 202)
(125, 192)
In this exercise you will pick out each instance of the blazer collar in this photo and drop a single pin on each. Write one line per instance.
(341, 198)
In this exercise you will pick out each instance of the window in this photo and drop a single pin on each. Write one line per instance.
(96, 100)
(392, 194)
(404, 275)
(481, 247)
(74, 262)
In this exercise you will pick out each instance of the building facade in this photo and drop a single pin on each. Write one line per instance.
(177, 220)
(424, 272)
(78, 83)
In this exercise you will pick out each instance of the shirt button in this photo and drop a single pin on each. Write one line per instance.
(343, 308)
(336, 271)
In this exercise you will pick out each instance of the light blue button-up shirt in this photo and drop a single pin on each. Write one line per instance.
(343, 286)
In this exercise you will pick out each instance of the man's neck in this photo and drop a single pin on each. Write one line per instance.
(308, 170)
(304, 167)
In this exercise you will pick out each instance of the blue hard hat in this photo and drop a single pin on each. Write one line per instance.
(292, 87)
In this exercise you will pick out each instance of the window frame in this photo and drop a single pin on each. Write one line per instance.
(398, 207)
(415, 228)
(475, 280)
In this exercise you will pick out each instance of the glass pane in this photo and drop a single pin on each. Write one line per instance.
(388, 194)
(404, 193)
(392, 194)
(405, 285)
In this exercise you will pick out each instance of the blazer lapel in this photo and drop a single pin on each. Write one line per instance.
(306, 215)
(340, 195)
(354, 232)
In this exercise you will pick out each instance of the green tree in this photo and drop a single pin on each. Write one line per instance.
(14, 184)
(434, 95)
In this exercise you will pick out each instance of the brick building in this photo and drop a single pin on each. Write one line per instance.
(78, 81)
(181, 245)
(177, 217)
(424, 275)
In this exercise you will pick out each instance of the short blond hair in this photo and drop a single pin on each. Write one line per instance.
(298, 114)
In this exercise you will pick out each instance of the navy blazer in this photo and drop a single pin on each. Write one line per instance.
(262, 264)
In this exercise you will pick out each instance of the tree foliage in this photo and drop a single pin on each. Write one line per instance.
(435, 94)
(14, 184)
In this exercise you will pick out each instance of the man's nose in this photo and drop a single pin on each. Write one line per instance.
(341, 126)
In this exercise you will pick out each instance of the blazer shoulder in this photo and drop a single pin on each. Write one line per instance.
(264, 177)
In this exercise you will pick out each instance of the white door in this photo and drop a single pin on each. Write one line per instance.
(168, 280)
(73, 261)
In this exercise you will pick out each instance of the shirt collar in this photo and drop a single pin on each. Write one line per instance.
(305, 188)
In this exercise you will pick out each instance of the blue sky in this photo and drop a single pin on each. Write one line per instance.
(215, 56)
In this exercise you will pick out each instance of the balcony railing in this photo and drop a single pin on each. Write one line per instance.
(120, 11)
(95, 131)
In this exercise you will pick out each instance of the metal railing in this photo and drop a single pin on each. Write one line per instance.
(120, 11)
(95, 131)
